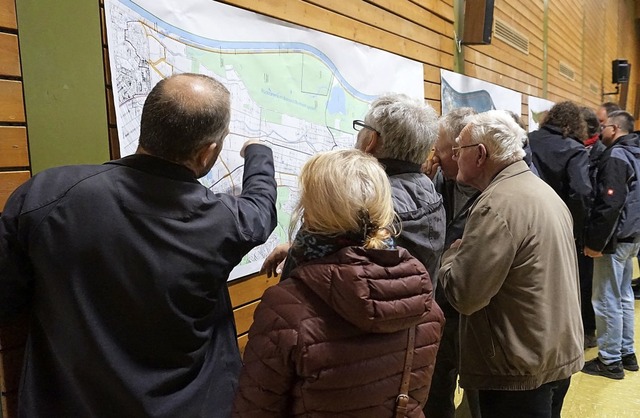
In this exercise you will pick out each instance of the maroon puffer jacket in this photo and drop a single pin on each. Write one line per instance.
(331, 340)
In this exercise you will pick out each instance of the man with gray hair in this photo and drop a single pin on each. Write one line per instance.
(399, 131)
(513, 277)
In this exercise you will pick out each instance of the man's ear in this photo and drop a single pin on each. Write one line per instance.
(372, 143)
(208, 155)
(483, 155)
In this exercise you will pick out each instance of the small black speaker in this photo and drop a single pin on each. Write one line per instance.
(619, 71)
(478, 22)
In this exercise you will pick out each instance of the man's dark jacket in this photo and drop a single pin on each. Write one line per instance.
(615, 216)
(124, 267)
(563, 163)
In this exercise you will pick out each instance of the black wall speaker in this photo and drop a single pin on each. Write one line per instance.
(478, 22)
(619, 71)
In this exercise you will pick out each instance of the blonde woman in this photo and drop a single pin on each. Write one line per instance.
(333, 339)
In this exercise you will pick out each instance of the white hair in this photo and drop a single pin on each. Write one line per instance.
(408, 127)
(453, 122)
(499, 133)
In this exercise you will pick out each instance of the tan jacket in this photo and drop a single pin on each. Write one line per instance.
(515, 281)
(331, 340)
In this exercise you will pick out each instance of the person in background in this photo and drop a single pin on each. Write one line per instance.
(399, 131)
(457, 199)
(513, 277)
(612, 238)
(594, 148)
(563, 162)
(332, 337)
(123, 267)
(605, 109)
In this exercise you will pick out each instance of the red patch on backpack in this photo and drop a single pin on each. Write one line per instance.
(610, 192)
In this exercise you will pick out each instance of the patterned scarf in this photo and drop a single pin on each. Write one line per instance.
(309, 246)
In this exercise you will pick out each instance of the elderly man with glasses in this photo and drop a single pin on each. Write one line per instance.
(513, 277)
(399, 131)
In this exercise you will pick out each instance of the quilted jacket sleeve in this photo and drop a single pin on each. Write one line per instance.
(268, 357)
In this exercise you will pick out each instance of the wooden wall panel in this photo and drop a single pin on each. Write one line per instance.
(14, 150)
(9, 55)
(8, 14)
(245, 295)
(11, 101)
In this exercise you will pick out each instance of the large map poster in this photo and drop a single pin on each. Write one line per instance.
(295, 88)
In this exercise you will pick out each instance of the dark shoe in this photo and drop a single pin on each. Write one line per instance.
(590, 341)
(597, 368)
(630, 362)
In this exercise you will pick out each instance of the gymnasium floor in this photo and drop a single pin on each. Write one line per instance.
(599, 397)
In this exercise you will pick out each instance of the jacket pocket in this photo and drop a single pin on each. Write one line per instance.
(481, 329)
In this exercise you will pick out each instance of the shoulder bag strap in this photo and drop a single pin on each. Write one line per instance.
(403, 398)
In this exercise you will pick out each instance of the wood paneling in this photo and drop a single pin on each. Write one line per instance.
(250, 289)
(8, 14)
(244, 317)
(14, 151)
(9, 55)
(11, 101)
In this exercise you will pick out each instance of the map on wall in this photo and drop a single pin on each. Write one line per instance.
(295, 88)
(458, 90)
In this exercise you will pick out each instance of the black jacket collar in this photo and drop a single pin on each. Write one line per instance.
(157, 167)
(394, 167)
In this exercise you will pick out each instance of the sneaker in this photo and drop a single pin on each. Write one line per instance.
(598, 368)
(630, 362)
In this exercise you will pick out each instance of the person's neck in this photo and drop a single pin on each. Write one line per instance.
(141, 151)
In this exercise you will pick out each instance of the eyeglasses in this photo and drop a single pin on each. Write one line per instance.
(455, 151)
(605, 126)
(358, 125)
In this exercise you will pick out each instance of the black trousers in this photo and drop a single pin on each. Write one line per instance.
(585, 271)
(543, 402)
(440, 403)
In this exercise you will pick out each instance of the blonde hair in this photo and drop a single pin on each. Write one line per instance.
(345, 191)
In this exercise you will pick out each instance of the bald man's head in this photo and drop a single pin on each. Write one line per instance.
(182, 114)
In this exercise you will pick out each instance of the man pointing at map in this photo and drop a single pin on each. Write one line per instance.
(123, 267)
